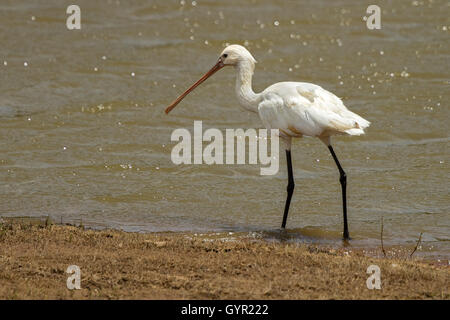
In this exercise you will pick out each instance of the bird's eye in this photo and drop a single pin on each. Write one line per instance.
(225, 55)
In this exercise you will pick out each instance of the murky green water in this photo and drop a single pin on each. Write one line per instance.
(83, 133)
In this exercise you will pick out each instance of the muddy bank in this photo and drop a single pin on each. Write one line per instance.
(119, 265)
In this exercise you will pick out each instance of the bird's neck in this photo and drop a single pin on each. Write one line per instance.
(245, 94)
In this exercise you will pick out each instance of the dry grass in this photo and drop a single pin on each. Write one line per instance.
(119, 265)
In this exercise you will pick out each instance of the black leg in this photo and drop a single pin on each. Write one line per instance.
(290, 187)
(343, 180)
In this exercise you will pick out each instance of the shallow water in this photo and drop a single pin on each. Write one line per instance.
(84, 135)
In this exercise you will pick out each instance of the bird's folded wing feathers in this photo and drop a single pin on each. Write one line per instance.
(329, 111)
(308, 109)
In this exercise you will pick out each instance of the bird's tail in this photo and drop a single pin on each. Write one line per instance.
(359, 124)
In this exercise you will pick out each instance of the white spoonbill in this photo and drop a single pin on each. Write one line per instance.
(295, 108)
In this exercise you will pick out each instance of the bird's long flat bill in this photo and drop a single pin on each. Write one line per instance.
(219, 65)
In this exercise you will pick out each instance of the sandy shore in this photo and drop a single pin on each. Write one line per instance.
(119, 265)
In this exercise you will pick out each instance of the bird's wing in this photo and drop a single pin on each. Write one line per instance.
(307, 109)
(288, 113)
(331, 112)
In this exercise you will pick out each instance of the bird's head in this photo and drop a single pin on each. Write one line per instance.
(233, 55)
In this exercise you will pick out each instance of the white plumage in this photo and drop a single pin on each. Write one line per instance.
(295, 108)
(305, 109)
